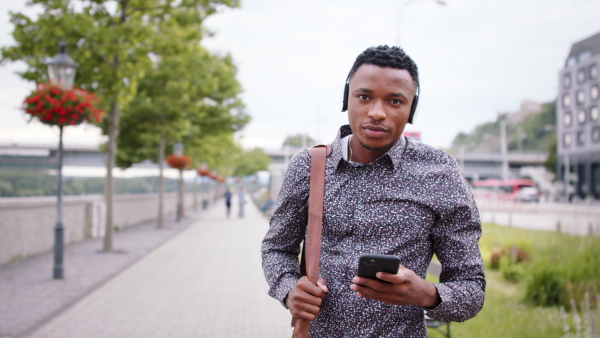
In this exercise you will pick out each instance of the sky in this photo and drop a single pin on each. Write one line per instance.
(476, 58)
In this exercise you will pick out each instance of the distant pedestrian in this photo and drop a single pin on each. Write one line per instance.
(242, 199)
(228, 201)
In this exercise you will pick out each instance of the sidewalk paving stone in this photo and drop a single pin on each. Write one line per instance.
(205, 281)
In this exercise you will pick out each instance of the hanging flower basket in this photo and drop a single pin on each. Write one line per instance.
(203, 171)
(55, 106)
(178, 162)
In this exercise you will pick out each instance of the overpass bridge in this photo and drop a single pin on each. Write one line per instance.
(475, 166)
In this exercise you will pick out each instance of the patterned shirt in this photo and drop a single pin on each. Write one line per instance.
(411, 202)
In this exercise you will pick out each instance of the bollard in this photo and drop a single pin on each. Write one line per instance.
(558, 226)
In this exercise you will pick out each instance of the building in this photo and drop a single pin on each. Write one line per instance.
(578, 125)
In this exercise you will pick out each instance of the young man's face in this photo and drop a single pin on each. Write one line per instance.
(379, 102)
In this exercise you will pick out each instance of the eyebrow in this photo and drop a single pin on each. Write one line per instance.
(370, 91)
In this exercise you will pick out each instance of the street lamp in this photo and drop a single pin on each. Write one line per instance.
(61, 70)
(178, 151)
(439, 2)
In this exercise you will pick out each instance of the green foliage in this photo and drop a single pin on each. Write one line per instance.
(188, 96)
(546, 286)
(486, 137)
(299, 141)
(36, 183)
(26, 183)
(554, 259)
(551, 161)
(251, 161)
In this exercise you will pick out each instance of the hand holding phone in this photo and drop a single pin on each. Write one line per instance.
(370, 264)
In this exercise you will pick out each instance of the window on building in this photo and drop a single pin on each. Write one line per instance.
(581, 75)
(567, 80)
(566, 100)
(571, 61)
(567, 119)
(581, 137)
(586, 55)
(581, 116)
(596, 134)
(594, 92)
(593, 71)
(567, 140)
(594, 113)
(580, 97)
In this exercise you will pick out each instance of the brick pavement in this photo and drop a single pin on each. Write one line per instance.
(206, 281)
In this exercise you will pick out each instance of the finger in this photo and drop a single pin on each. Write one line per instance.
(321, 283)
(307, 308)
(310, 288)
(391, 278)
(368, 282)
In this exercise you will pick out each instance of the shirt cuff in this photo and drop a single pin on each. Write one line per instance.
(444, 306)
(284, 288)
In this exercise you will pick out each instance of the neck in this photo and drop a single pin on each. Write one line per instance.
(357, 152)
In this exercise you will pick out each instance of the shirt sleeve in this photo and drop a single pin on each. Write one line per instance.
(281, 245)
(456, 244)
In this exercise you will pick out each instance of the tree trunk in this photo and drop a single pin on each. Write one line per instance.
(161, 180)
(111, 152)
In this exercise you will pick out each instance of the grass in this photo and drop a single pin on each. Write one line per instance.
(504, 313)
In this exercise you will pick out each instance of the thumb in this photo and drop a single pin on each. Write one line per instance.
(322, 284)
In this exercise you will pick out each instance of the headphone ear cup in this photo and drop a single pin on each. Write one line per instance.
(413, 109)
(345, 99)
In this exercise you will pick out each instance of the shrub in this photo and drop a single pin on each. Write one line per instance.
(546, 286)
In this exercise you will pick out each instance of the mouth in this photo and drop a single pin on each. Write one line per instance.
(374, 131)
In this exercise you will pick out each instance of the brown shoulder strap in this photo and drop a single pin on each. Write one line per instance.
(311, 252)
(318, 155)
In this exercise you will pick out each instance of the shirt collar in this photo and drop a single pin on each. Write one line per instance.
(393, 156)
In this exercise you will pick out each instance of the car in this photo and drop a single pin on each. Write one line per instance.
(528, 194)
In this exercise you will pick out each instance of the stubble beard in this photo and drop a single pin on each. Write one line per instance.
(386, 147)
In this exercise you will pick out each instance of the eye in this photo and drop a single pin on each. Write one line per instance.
(396, 101)
(363, 97)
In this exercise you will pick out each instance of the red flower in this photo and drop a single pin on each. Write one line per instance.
(178, 162)
(55, 106)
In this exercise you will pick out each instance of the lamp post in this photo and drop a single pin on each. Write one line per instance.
(439, 2)
(61, 71)
(178, 151)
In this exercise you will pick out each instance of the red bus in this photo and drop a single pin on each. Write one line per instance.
(507, 190)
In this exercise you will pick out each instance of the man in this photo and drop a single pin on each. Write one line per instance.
(384, 194)
(228, 201)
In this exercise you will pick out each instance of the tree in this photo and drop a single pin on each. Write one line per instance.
(250, 162)
(188, 96)
(112, 40)
(299, 141)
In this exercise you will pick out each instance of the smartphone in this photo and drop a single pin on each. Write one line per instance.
(369, 265)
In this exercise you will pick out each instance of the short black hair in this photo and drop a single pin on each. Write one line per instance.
(385, 56)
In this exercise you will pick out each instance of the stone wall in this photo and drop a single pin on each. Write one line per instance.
(27, 224)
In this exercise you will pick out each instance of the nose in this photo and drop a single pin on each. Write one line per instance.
(376, 111)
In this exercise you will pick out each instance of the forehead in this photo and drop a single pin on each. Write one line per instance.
(373, 74)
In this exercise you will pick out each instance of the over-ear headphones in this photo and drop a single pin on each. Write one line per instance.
(413, 107)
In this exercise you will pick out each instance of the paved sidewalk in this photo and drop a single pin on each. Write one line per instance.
(206, 281)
